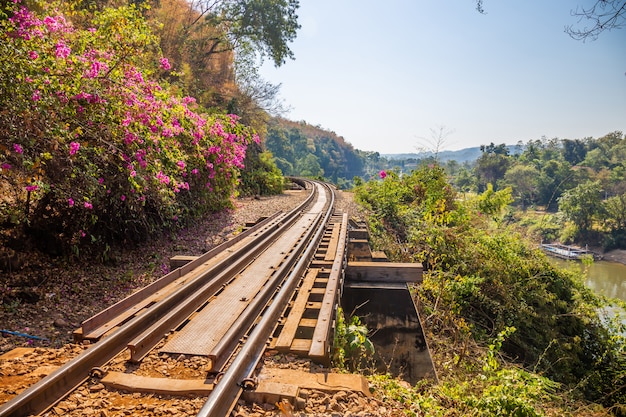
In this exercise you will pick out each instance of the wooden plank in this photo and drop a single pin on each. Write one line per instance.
(181, 260)
(291, 324)
(272, 392)
(320, 347)
(308, 322)
(318, 263)
(384, 272)
(301, 346)
(358, 234)
(379, 256)
(166, 386)
(331, 252)
(321, 381)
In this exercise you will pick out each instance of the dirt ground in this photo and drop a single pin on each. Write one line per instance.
(617, 255)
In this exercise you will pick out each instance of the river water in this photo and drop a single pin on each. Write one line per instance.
(605, 278)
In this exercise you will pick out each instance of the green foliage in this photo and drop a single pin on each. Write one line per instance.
(492, 203)
(352, 347)
(582, 204)
(510, 391)
(93, 148)
(268, 25)
(483, 279)
(260, 176)
(303, 150)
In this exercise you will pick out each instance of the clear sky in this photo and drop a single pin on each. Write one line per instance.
(385, 74)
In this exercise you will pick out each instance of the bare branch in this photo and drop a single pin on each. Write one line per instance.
(603, 15)
(479, 6)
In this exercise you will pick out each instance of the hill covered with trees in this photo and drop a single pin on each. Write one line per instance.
(305, 150)
(581, 183)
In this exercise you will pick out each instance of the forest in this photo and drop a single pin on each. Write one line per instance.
(578, 185)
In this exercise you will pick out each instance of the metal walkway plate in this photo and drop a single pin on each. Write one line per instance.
(209, 325)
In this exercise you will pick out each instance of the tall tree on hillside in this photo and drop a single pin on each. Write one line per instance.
(491, 165)
(264, 26)
(214, 47)
(574, 151)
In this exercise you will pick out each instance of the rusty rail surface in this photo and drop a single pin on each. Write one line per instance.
(45, 393)
(225, 394)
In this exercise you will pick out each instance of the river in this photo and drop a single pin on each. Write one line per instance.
(605, 278)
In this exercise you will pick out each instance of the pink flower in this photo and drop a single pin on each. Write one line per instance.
(70, 201)
(5, 166)
(382, 174)
(163, 179)
(62, 50)
(181, 164)
(74, 147)
(100, 180)
(165, 64)
(17, 148)
(36, 95)
(82, 234)
(96, 68)
(33, 55)
(123, 197)
(30, 188)
(88, 205)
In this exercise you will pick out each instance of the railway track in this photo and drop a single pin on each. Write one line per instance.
(276, 285)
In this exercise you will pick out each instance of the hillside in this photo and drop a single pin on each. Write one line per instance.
(306, 150)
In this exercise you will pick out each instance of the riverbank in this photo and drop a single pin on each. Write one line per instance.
(616, 255)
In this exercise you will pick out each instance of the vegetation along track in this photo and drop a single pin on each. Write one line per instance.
(224, 305)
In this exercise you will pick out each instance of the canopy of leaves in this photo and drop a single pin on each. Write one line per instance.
(93, 147)
(483, 278)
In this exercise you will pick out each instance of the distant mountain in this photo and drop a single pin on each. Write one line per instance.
(462, 155)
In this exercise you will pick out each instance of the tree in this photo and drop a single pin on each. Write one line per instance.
(523, 179)
(616, 212)
(492, 164)
(265, 26)
(581, 204)
(574, 151)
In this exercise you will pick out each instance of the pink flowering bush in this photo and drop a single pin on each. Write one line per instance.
(92, 146)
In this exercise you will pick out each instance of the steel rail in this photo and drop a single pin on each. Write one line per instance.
(185, 303)
(225, 394)
(52, 388)
(123, 305)
(229, 342)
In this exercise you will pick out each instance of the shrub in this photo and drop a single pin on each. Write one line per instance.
(92, 147)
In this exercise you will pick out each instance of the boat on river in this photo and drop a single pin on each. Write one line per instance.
(565, 251)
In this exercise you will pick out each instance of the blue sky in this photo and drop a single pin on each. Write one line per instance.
(384, 75)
